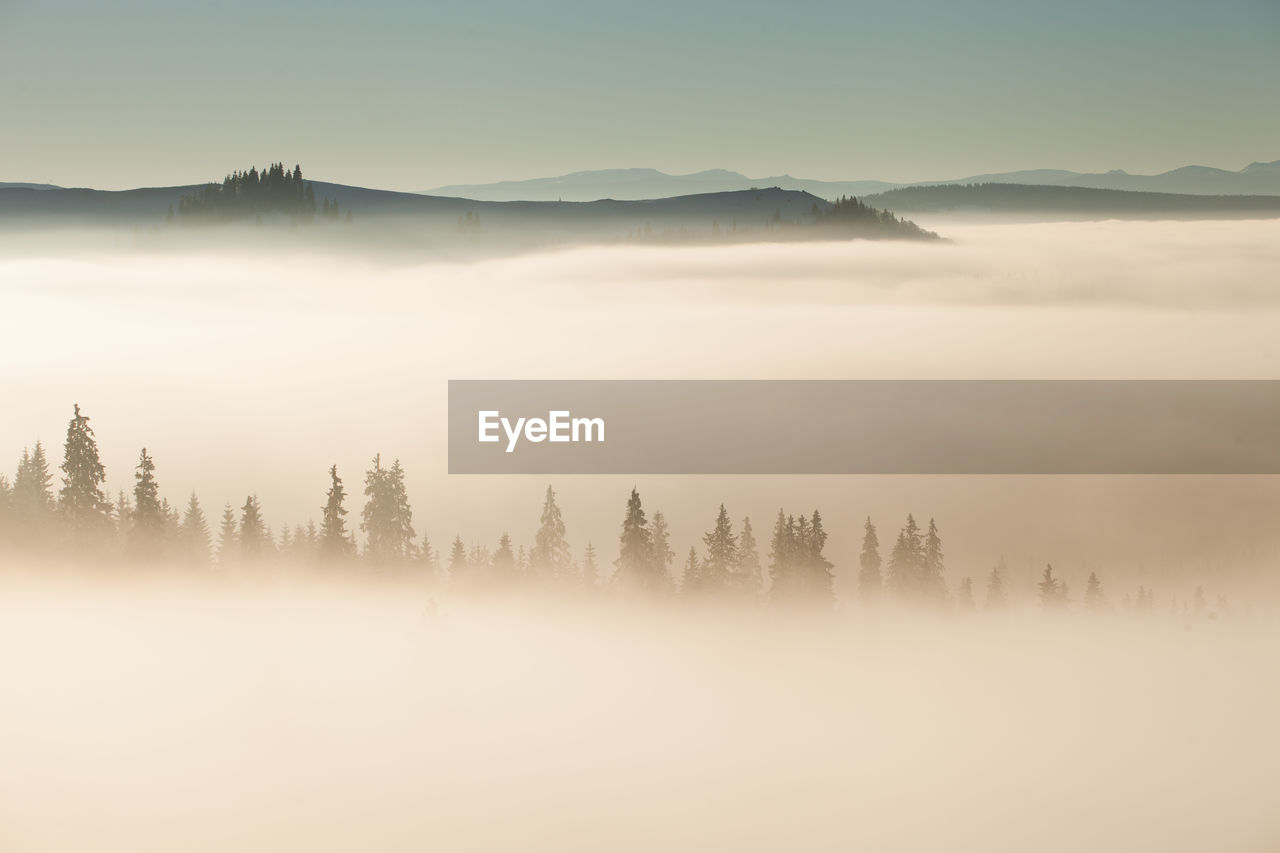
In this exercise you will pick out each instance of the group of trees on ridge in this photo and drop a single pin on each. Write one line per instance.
(851, 214)
(252, 194)
(143, 526)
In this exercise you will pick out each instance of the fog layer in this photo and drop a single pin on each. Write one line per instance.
(336, 718)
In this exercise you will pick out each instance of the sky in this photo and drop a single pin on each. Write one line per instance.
(411, 95)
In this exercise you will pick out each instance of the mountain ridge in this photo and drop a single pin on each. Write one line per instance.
(1257, 178)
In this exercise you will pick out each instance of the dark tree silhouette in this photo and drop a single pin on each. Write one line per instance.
(638, 568)
(149, 516)
(336, 542)
(869, 580)
(82, 502)
(1051, 590)
(722, 555)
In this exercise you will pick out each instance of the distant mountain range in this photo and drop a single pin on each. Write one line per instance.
(725, 214)
(1254, 179)
(1050, 203)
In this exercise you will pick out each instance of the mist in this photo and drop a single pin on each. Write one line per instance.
(329, 716)
(276, 706)
(253, 373)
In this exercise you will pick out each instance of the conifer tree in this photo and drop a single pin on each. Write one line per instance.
(590, 570)
(637, 565)
(549, 558)
(172, 522)
(387, 518)
(660, 543)
(1051, 590)
(149, 517)
(933, 582)
(457, 560)
(122, 516)
(82, 503)
(504, 560)
(335, 542)
(691, 579)
(782, 550)
(995, 586)
(428, 556)
(31, 499)
(255, 539)
(748, 572)
(722, 554)
(819, 579)
(195, 532)
(1095, 600)
(228, 537)
(964, 594)
(906, 562)
(6, 505)
(869, 580)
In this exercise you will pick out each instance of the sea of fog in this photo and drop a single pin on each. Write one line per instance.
(253, 372)
(327, 716)
(291, 711)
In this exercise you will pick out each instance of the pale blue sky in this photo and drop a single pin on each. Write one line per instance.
(411, 95)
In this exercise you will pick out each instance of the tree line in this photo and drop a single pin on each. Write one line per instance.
(252, 194)
(140, 524)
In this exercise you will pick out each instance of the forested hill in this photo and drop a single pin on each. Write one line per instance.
(282, 196)
(1054, 202)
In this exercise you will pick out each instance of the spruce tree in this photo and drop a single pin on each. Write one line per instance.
(782, 555)
(387, 519)
(122, 516)
(637, 565)
(590, 570)
(933, 581)
(995, 586)
(228, 537)
(549, 558)
(662, 555)
(691, 579)
(964, 594)
(907, 563)
(82, 502)
(195, 532)
(31, 500)
(255, 539)
(819, 580)
(1095, 600)
(504, 560)
(457, 560)
(149, 517)
(869, 579)
(722, 554)
(1051, 591)
(335, 542)
(428, 557)
(6, 506)
(748, 572)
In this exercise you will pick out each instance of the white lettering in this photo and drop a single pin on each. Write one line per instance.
(559, 426)
(487, 423)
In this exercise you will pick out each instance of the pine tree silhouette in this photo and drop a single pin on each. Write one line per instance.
(82, 502)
